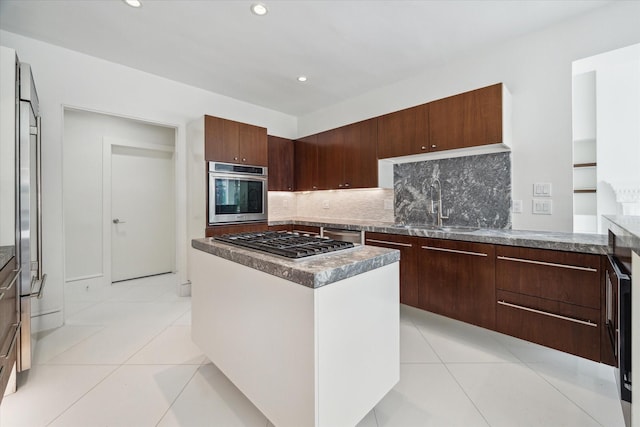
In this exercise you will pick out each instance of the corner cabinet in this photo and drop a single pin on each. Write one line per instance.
(234, 142)
(281, 177)
(341, 158)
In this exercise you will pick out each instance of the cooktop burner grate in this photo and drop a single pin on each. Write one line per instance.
(289, 245)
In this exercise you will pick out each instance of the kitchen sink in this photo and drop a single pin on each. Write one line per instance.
(446, 229)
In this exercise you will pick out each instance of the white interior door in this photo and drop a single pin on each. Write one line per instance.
(142, 212)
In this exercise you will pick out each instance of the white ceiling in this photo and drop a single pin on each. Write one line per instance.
(346, 48)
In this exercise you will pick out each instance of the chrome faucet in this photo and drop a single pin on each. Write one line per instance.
(440, 209)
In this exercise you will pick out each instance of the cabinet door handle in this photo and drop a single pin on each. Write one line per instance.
(433, 145)
(424, 147)
(549, 264)
(386, 242)
(346, 184)
(546, 313)
(455, 251)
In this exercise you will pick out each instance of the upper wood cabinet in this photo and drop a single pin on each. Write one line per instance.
(306, 163)
(404, 132)
(234, 142)
(280, 171)
(466, 120)
(345, 157)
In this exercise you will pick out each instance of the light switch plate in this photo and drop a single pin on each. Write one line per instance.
(542, 189)
(517, 206)
(542, 206)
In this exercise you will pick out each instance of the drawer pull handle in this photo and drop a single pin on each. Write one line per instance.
(10, 285)
(551, 264)
(546, 313)
(455, 251)
(386, 242)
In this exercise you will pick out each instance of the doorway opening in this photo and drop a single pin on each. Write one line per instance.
(102, 152)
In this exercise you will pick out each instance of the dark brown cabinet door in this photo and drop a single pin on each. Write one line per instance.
(306, 163)
(280, 164)
(234, 142)
(404, 132)
(408, 247)
(457, 280)
(331, 161)
(466, 120)
(360, 155)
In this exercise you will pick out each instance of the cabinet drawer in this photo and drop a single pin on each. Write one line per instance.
(218, 230)
(567, 277)
(565, 327)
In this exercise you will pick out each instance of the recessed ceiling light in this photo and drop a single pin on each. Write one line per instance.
(302, 78)
(133, 3)
(259, 9)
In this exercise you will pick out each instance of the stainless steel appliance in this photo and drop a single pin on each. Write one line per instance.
(285, 244)
(237, 193)
(618, 312)
(344, 235)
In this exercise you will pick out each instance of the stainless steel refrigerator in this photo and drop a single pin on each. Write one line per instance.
(21, 216)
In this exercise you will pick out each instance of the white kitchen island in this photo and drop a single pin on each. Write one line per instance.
(310, 343)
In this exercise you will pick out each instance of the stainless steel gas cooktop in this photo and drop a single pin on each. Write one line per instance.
(289, 245)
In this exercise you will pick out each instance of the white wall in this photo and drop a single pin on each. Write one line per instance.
(537, 70)
(67, 78)
(82, 182)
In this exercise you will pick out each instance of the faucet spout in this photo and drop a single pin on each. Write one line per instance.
(440, 208)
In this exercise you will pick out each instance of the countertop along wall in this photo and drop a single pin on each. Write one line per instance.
(536, 69)
(65, 78)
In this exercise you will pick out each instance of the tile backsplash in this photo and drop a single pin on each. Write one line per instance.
(374, 204)
(476, 191)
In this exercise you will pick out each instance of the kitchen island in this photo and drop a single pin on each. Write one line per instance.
(310, 342)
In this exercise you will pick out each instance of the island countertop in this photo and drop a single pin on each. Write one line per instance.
(560, 241)
(314, 272)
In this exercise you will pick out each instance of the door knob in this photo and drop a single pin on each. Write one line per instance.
(117, 221)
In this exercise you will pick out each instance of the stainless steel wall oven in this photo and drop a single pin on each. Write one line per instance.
(236, 193)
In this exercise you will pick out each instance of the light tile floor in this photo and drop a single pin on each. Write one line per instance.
(125, 358)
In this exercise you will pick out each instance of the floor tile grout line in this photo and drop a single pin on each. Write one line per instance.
(47, 362)
(85, 393)
(466, 394)
(560, 391)
(164, 414)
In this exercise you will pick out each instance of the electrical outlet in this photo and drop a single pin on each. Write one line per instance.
(325, 204)
(285, 203)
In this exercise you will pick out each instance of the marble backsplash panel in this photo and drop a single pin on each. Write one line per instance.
(476, 191)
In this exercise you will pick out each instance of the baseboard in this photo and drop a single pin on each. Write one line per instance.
(184, 290)
(43, 322)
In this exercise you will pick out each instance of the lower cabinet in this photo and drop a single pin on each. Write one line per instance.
(9, 323)
(552, 298)
(408, 247)
(457, 280)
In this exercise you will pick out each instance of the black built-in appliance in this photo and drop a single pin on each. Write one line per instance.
(618, 312)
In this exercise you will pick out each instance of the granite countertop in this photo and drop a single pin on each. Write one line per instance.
(570, 242)
(630, 225)
(313, 272)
